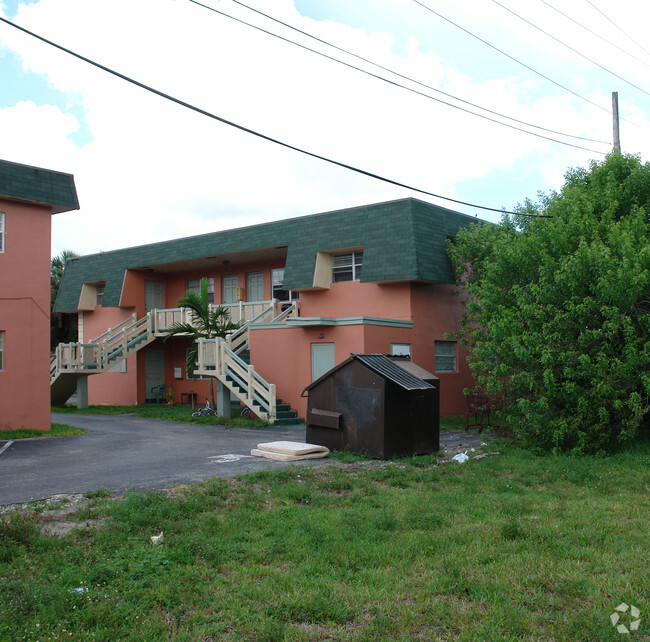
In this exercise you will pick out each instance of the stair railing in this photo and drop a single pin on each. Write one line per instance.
(216, 359)
(119, 345)
(238, 340)
(108, 332)
(290, 311)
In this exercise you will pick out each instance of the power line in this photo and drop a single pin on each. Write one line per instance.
(621, 30)
(593, 33)
(391, 82)
(396, 73)
(255, 133)
(507, 55)
(570, 48)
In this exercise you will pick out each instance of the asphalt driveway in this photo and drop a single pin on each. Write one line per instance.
(121, 452)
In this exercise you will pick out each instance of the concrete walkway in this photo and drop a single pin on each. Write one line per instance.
(121, 452)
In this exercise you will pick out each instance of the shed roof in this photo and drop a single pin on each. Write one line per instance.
(402, 240)
(416, 370)
(384, 367)
(36, 185)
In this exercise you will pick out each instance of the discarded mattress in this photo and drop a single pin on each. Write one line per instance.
(289, 451)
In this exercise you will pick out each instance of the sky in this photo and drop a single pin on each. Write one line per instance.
(147, 169)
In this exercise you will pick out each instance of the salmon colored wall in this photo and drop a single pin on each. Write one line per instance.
(436, 311)
(25, 317)
(354, 299)
(24, 379)
(175, 351)
(283, 356)
(377, 339)
(110, 388)
(101, 319)
(133, 291)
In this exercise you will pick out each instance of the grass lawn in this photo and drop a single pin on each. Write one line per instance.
(57, 430)
(507, 547)
(161, 411)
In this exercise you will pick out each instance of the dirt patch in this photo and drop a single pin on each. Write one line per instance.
(54, 514)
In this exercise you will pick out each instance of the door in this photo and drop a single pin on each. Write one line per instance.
(229, 288)
(254, 286)
(154, 372)
(154, 295)
(322, 359)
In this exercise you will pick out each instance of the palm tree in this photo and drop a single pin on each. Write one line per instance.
(206, 323)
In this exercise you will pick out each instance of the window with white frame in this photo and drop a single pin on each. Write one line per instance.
(279, 293)
(401, 349)
(99, 290)
(347, 267)
(2, 232)
(2, 348)
(445, 356)
(194, 285)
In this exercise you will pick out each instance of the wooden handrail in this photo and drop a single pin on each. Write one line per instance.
(217, 359)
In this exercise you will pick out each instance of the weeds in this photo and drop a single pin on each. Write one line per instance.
(508, 547)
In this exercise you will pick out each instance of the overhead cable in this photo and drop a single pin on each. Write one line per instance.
(247, 130)
(392, 71)
(507, 55)
(593, 33)
(570, 48)
(621, 30)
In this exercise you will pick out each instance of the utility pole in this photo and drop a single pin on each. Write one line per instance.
(617, 138)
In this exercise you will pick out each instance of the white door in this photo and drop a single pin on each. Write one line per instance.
(322, 359)
(254, 286)
(154, 371)
(229, 288)
(154, 295)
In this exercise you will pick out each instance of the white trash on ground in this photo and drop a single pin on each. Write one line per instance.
(289, 451)
(461, 458)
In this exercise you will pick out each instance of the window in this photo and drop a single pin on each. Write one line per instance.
(277, 280)
(194, 285)
(445, 356)
(2, 347)
(401, 349)
(2, 232)
(346, 267)
(99, 290)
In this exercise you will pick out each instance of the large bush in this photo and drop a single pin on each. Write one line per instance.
(558, 314)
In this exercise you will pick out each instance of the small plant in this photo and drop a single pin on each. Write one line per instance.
(170, 397)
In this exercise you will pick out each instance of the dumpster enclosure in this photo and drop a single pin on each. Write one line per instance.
(371, 404)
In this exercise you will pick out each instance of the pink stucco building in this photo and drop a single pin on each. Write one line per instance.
(309, 291)
(29, 196)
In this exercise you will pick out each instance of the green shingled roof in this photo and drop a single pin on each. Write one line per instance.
(401, 240)
(36, 185)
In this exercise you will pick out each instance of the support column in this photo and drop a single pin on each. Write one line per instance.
(82, 391)
(223, 400)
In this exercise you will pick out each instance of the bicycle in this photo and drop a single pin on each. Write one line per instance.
(207, 411)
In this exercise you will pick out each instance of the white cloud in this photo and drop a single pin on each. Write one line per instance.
(154, 170)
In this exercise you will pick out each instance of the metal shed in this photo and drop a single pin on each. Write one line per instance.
(372, 404)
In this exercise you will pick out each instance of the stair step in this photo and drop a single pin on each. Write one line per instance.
(285, 414)
(294, 421)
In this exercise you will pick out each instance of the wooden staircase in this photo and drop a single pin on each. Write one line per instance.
(99, 355)
(227, 359)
